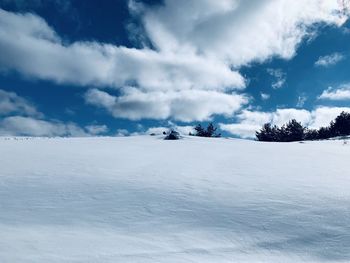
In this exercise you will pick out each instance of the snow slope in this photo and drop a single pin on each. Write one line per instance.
(143, 199)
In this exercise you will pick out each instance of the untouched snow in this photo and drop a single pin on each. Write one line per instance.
(143, 199)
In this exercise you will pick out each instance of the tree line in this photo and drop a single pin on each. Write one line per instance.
(209, 131)
(295, 131)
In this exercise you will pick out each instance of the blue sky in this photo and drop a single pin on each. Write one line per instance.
(79, 68)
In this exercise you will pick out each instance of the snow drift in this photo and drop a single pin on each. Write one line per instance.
(143, 199)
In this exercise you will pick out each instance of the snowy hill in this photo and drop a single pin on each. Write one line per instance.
(143, 199)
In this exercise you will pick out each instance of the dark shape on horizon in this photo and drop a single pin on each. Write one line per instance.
(268, 133)
(210, 131)
(341, 124)
(173, 135)
(295, 131)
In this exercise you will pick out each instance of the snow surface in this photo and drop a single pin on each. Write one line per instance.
(143, 199)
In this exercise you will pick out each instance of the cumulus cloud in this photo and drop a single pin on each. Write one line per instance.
(157, 130)
(31, 126)
(122, 133)
(187, 105)
(96, 129)
(242, 130)
(184, 130)
(230, 29)
(340, 93)
(282, 116)
(11, 103)
(21, 118)
(28, 126)
(322, 116)
(33, 48)
(192, 65)
(251, 121)
(329, 60)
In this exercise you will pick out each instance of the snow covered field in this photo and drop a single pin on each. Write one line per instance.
(142, 199)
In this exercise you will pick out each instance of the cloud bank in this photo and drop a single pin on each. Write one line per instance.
(29, 126)
(19, 117)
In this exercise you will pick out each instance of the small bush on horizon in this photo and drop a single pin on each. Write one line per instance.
(173, 135)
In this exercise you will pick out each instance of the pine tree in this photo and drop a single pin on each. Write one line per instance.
(199, 130)
(341, 125)
(311, 134)
(324, 133)
(293, 131)
(267, 133)
(210, 131)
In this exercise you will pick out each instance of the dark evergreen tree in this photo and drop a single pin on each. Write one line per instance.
(200, 131)
(281, 134)
(341, 125)
(295, 131)
(268, 133)
(324, 133)
(292, 131)
(210, 131)
(311, 134)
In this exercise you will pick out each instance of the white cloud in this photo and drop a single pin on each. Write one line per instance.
(282, 116)
(122, 133)
(230, 30)
(191, 72)
(185, 130)
(340, 93)
(242, 130)
(188, 105)
(11, 103)
(301, 101)
(322, 116)
(251, 121)
(329, 60)
(33, 48)
(157, 130)
(280, 78)
(96, 129)
(265, 96)
(28, 126)
(23, 119)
